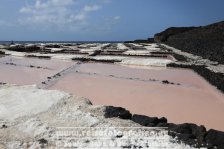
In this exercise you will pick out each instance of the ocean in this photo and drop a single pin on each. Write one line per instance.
(33, 42)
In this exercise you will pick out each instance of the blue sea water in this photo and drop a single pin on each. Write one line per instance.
(33, 42)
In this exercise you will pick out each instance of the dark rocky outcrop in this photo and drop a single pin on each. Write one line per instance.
(207, 41)
(4, 126)
(23, 48)
(165, 82)
(53, 46)
(2, 52)
(215, 78)
(179, 57)
(189, 133)
(149, 40)
(149, 121)
(84, 59)
(10, 64)
(119, 112)
(215, 137)
(43, 141)
(96, 52)
(40, 57)
(164, 36)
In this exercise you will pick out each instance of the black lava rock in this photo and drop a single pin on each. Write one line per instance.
(84, 59)
(149, 40)
(163, 120)
(23, 48)
(165, 82)
(215, 138)
(164, 36)
(2, 52)
(148, 121)
(43, 141)
(206, 41)
(53, 46)
(4, 126)
(96, 52)
(189, 133)
(120, 112)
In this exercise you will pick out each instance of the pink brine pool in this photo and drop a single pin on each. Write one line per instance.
(194, 100)
(139, 90)
(18, 71)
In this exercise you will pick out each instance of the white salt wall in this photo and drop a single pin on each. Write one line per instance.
(137, 52)
(146, 62)
(14, 53)
(121, 46)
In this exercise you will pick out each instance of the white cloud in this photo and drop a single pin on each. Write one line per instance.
(89, 8)
(60, 13)
(117, 18)
(64, 16)
(50, 4)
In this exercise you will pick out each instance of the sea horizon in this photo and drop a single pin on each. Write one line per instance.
(48, 41)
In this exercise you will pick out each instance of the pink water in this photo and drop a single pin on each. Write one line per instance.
(193, 101)
(22, 74)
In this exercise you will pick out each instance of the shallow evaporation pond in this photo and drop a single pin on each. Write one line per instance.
(21, 73)
(193, 101)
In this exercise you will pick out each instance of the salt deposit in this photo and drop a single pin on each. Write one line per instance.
(56, 113)
(16, 101)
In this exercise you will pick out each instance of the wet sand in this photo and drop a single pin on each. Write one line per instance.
(193, 101)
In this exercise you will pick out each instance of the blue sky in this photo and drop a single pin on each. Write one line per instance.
(103, 20)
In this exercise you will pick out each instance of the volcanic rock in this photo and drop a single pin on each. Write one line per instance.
(122, 113)
(207, 41)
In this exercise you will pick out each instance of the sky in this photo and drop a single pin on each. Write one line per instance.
(101, 20)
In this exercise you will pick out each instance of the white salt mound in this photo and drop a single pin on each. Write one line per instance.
(18, 101)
